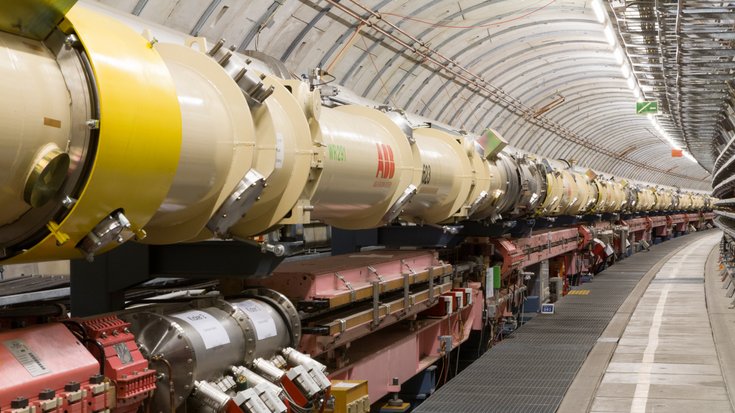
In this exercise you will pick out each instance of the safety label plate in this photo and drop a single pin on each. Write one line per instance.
(213, 334)
(26, 357)
(265, 327)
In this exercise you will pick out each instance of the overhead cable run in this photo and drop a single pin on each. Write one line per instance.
(687, 72)
(474, 82)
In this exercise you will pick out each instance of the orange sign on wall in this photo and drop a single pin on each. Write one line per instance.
(677, 153)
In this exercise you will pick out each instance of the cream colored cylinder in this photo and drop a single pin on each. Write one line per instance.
(284, 152)
(570, 198)
(510, 183)
(446, 178)
(483, 182)
(685, 201)
(218, 140)
(532, 185)
(34, 117)
(604, 196)
(644, 199)
(675, 201)
(663, 199)
(584, 194)
(496, 187)
(697, 202)
(654, 199)
(554, 194)
(368, 163)
(618, 193)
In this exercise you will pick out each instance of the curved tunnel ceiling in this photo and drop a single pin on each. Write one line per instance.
(471, 64)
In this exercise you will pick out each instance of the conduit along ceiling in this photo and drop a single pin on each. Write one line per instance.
(556, 77)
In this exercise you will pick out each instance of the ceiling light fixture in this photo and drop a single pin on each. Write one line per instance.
(631, 83)
(618, 54)
(610, 36)
(625, 70)
(599, 11)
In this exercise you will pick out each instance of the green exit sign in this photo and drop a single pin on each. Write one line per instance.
(646, 107)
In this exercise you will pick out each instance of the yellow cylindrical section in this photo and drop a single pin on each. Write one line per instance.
(139, 137)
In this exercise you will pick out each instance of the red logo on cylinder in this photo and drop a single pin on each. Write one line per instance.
(386, 164)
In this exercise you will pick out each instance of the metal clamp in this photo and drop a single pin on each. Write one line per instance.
(109, 230)
(277, 249)
(342, 325)
(398, 117)
(376, 303)
(252, 86)
(477, 203)
(411, 270)
(373, 271)
(237, 204)
(451, 229)
(406, 292)
(431, 285)
(353, 293)
(395, 210)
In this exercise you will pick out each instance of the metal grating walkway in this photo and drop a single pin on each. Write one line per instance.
(532, 371)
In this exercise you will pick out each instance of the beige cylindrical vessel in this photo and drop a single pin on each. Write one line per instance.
(604, 196)
(496, 188)
(446, 178)
(685, 201)
(554, 194)
(35, 119)
(484, 184)
(218, 142)
(649, 198)
(570, 198)
(663, 199)
(510, 180)
(585, 194)
(533, 185)
(284, 152)
(697, 202)
(643, 198)
(368, 163)
(619, 199)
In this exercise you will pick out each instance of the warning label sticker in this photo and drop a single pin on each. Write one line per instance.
(213, 334)
(265, 327)
(26, 357)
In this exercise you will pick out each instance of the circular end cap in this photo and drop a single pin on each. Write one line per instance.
(46, 177)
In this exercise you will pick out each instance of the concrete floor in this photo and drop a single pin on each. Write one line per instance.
(666, 359)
